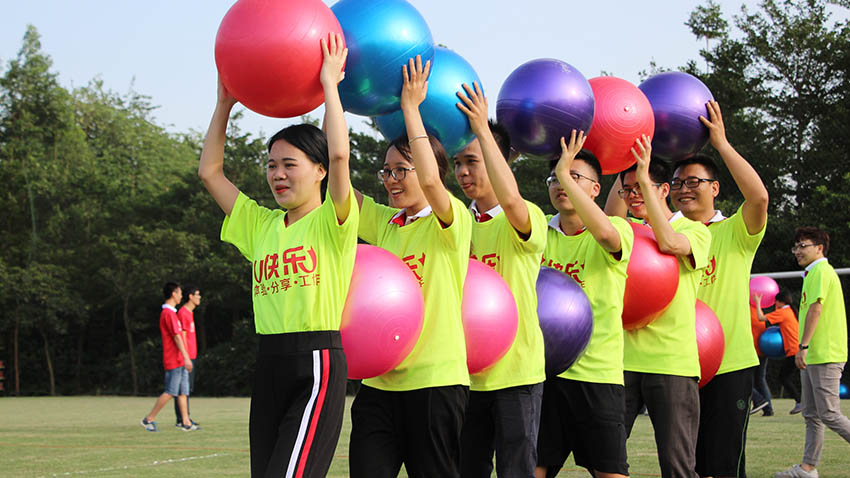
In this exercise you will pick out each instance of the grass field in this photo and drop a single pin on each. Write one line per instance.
(101, 437)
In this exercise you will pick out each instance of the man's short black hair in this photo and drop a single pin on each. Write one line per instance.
(588, 157)
(816, 235)
(502, 137)
(190, 290)
(659, 171)
(168, 289)
(701, 159)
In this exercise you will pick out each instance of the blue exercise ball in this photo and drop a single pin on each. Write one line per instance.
(771, 344)
(381, 35)
(844, 391)
(541, 101)
(442, 118)
(678, 100)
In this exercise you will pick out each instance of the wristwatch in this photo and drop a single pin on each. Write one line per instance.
(804, 347)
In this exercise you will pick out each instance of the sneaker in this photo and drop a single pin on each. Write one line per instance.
(798, 407)
(796, 471)
(758, 406)
(149, 426)
(767, 412)
(190, 428)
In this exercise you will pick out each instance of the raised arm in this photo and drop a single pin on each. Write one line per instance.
(749, 183)
(413, 93)
(593, 218)
(474, 105)
(669, 241)
(759, 311)
(337, 131)
(211, 167)
(615, 205)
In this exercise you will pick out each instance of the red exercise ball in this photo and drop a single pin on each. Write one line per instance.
(383, 313)
(269, 57)
(652, 282)
(490, 317)
(711, 343)
(623, 114)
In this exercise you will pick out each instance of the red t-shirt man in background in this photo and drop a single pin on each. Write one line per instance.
(186, 315)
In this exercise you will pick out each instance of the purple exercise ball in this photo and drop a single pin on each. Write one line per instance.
(541, 101)
(678, 100)
(566, 319)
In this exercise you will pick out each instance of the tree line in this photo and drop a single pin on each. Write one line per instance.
(101, 205)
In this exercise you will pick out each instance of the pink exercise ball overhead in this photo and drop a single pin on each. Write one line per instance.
(622, 115)
(490, 317)
(269, 57)
(383, 313)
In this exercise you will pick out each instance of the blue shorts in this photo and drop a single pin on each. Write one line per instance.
(177, 382)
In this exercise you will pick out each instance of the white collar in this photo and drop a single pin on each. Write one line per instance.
(555, 223)
(718, 216)
(169, 307)
(425, 212)
(784, 307)
(493, 212)
(810, 266)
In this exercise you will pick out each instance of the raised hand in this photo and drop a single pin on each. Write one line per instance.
(568, 154)
(225, 98)
(334, 55)
(474, 106)
(714, 123)
(644, 145)
(415, 87)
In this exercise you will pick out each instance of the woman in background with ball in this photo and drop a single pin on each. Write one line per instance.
(302, 259)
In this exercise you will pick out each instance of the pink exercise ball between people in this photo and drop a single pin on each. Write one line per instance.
(269, 56)
(622, 115)
(653, 278)
(383, 313)
(766, 287)
(711, 343)
(490, 317)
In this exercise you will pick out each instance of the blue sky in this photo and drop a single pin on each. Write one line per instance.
(165, 48)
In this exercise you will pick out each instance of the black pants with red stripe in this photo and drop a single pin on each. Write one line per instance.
(297, 404)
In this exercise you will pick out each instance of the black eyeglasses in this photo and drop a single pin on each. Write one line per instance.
(398, 173)
(553, 179)
(800, 247)
(628, 191)
(692, 182)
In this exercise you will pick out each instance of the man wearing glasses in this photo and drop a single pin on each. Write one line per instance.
(724, 402)
(823, 348)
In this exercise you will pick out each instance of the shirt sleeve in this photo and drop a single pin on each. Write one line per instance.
(815, 285)
(699, 238)
(460, 230)
(244, 223)
(346, 232)
(747, 241)
(536, 241)
(173, 324)
(627, 240)
(373, 217)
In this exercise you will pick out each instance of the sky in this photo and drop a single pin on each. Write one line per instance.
(164, 48)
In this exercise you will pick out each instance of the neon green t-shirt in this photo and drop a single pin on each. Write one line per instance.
(668, 345)
(438, 257)
(301, 272)
(602, 276)
(497, 244)
(829, 342)
(725, 287)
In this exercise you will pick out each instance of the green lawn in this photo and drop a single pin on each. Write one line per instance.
(101, 437)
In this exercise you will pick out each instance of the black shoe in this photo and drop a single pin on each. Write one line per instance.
(757, 407)
(767, 412)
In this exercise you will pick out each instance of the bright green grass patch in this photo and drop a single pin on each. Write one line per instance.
(101, 437)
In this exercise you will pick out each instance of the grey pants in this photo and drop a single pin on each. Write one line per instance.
(821, 407)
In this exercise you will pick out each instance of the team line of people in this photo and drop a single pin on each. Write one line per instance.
(428, 413)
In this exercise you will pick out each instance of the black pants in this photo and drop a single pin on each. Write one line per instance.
(191, 389)
(297, 404)
(787, 373)
(673, 405)
(505, 422)
(420, 428)
(724, 415)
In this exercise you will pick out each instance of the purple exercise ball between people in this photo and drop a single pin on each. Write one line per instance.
(678, 99)
(541, 101)
(566, 319)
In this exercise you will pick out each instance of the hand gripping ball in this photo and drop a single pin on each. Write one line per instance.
(269, 57)
(566, 319)
(622, 115)
(711, 343)
(490, 317)
(383, 313)
(766, 287)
